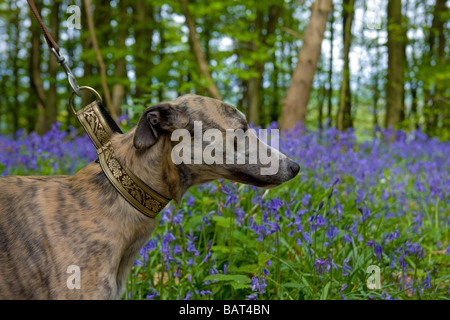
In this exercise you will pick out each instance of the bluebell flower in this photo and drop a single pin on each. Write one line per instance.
(306, 237)
(346, 268)
(152, 294)
(346, 238)
(189, 295)
(205, 292)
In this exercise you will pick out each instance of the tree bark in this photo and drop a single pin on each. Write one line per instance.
(254, 89)
(344, 116)
(51, 105)
(441, 106)
(143, 35)
(297, 97)
(330, 71)
(37, 93)
(120, 64)
(376, 91)
(197, 51)
(101, 63)
(396, 52)
(15, 66)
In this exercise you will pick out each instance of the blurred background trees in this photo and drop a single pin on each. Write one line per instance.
(349, 63)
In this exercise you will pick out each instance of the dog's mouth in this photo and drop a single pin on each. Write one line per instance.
(254, 181)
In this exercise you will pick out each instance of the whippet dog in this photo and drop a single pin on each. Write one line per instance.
(48, 223)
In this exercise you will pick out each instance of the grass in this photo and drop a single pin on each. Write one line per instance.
(383, 203)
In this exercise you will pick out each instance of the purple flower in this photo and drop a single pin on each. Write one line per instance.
(344, 286)
(205, 292)
(191, 244)
(307, 238)
(346, 268)
(208, 255)
(152, 294)
(378, 250)
(189, 295)
(322, 265)
(332, 232)
(306, 200)
(258, 285)
(386, 296)
(347, 238)
(426, 284)
(392, 261)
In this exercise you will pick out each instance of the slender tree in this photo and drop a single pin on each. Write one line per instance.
(297, 97)
(198, 52)
(100, 61)
(437, 104)
(144, 17)
(330, 70)
(344, 116)
(51, 104)
(120, 65)
(395, 76)
(254, 87)
(37, 93)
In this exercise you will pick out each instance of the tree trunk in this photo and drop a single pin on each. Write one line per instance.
(254, 83)
(120, 64)
(101, 63)
(413, 116)
(87, 65)
(297, 97)
(143, 35)
(275, 105)
(37, 93)
(330, 71)
(321, 104)
(15, 70)
(441, 110)
(396, 52)
(197, 51)
(344, 116)
(162, 46)
(254, 89)
(51, 105)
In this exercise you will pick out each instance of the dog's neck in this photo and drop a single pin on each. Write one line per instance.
(153, 166)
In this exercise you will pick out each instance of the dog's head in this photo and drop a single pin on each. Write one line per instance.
(212, 140)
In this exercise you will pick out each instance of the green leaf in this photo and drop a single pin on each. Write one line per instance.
(222, 221)
(238, 281)
(263, 257)
(293, 285)
(325, 291)
(221, 249)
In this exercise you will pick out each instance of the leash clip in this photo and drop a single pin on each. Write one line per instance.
(70, 76)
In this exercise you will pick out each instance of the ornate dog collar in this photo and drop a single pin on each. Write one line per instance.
(100, 127)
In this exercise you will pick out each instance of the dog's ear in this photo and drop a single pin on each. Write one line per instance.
(157, 120)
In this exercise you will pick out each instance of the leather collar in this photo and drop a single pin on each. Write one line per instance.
(134, 190)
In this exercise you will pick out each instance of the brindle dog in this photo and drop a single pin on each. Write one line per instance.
(48, 223)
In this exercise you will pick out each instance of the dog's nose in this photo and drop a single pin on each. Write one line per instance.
(295, 168)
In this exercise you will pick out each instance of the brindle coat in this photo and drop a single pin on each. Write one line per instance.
(49, 223)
